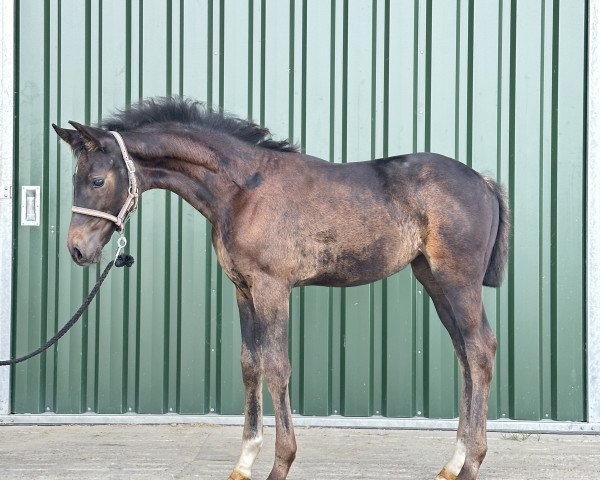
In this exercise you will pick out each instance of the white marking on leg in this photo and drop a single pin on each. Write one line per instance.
(250, 450)
(457, 460)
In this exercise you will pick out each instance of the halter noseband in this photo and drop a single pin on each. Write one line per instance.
(130, 204)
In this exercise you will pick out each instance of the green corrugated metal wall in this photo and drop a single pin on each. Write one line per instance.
(499, 85)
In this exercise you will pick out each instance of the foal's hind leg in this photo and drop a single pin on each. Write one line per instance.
(477, 348)
(423, 273)
(252, 375)
(480, 347)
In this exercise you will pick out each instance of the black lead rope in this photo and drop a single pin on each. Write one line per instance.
(122, 260)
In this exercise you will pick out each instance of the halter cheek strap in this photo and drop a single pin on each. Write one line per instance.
(131, 201)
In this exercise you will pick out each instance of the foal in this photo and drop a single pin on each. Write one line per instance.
(281, 219)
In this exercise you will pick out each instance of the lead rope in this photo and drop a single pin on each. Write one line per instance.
(121, 260)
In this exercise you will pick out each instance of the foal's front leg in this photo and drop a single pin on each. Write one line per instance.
(271, 306)
(252, 375)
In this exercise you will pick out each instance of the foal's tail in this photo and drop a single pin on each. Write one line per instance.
(495, 270)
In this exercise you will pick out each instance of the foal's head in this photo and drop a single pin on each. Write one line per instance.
(100, 183)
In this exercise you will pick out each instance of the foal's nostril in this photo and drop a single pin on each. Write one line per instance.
(76, 253)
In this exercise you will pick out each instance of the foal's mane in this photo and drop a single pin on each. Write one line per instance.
(191, 112)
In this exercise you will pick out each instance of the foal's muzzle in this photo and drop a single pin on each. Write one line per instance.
(85, 241)
(83, 255)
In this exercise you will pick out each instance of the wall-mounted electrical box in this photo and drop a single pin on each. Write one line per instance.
(30, 206)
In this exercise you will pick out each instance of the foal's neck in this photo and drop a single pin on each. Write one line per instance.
(203, 167)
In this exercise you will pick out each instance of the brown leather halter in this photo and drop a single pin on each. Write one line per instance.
(130, 204)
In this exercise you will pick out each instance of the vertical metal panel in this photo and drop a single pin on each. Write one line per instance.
(527, 221)
(498, 85)
(7, 114)
(568, 395)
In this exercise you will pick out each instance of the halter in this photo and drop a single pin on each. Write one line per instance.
(130, 204)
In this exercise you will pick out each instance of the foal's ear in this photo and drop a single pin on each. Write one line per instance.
(92, 137)
(68, 135)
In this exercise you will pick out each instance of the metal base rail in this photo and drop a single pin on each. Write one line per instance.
(376, 422)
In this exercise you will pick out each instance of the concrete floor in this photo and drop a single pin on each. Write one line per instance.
(209, 452)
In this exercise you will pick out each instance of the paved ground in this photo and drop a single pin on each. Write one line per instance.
(209, 452)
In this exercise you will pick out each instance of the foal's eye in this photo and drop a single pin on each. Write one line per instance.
(98, 182)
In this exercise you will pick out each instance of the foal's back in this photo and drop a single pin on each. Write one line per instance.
(349, 224)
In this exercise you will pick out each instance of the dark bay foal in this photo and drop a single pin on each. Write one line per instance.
(282, 219)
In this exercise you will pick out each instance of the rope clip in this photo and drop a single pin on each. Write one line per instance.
(121, 243)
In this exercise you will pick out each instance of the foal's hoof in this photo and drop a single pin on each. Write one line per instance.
(445, 475)
(237, 475)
